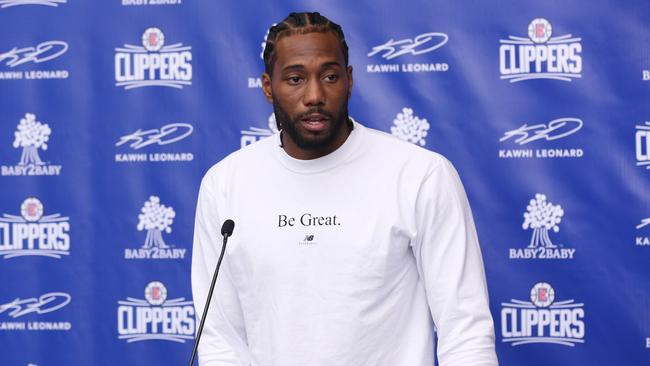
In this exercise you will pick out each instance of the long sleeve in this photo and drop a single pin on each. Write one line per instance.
(223, 342)
(449, 261)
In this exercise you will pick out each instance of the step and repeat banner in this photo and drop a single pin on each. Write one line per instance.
(111, 111)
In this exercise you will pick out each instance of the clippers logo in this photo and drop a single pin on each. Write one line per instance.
(34, 234)
(540, 56)
(155, 218)
(255, 134)
(643, 241)
(31, 136)
(542, 217)
(44, 304)
(419, 45)
(165, 135)
(542, 319)
(156, 317)
(153, 64)
(555, 130)
(10, 3)
(43, 52)
(409, 127)
(642, 139)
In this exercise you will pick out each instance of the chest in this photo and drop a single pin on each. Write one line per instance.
(311, 232)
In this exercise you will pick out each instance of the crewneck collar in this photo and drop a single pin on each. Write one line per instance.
(325, 162)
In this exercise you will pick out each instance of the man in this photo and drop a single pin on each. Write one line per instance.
(350, 244)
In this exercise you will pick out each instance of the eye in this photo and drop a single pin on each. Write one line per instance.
(331, 77)
(294, 80)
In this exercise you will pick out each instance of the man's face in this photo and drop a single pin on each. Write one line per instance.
(309, 90)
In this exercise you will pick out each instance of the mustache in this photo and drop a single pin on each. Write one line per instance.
(314, 111)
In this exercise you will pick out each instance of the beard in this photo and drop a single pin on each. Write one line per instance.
(302, 139)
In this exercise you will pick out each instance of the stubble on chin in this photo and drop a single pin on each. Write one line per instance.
(288, 125)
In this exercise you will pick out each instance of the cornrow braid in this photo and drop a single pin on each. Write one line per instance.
(301, 23)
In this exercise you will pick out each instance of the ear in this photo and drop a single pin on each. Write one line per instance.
(350, 82)
(266, 87)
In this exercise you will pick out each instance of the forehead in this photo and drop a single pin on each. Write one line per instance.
(306, 49)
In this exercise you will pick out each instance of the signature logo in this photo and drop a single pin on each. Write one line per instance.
(43, 52)
(644, 222)
(556, 129)
(44, 304)
(421, 44)
(10, 3)
(167, 134)
(643, 240)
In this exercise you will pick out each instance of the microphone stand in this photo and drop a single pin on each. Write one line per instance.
(226, 231)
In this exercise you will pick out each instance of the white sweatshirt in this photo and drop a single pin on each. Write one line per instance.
(345, 260)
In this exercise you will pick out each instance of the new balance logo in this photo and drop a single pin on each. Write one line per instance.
(308, 240)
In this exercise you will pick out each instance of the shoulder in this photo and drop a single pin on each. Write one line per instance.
(244, 159)
(392, 149)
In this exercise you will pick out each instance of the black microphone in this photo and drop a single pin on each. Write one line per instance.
(226, 230)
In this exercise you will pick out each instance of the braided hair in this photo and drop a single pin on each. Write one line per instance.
(301, 23)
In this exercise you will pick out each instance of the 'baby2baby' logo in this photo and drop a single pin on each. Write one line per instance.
(155, 219)
(30, 137)
(542, 217)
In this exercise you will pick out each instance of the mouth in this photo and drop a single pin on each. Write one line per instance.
(315, 122)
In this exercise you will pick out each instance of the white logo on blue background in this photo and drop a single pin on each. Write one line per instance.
(556, 129)
(255, 133)
(155, 63)
(11, 3)
(417, 46)
(33, 233)
(540, 55)
(409, 127)
(542, 319)
(642, 144)
(35, 306)
(643, 241)
(166, 135)
(156, 317)
(39, 54)
(31, 136)
(542, 217)
(156, 219)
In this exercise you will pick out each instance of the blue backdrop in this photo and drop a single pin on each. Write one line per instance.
(111, 111)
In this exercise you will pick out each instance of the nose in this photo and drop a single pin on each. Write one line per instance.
(314, 93)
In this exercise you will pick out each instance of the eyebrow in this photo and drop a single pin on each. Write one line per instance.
(301, 67)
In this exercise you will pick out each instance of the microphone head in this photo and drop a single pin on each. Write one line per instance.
(227, 227)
